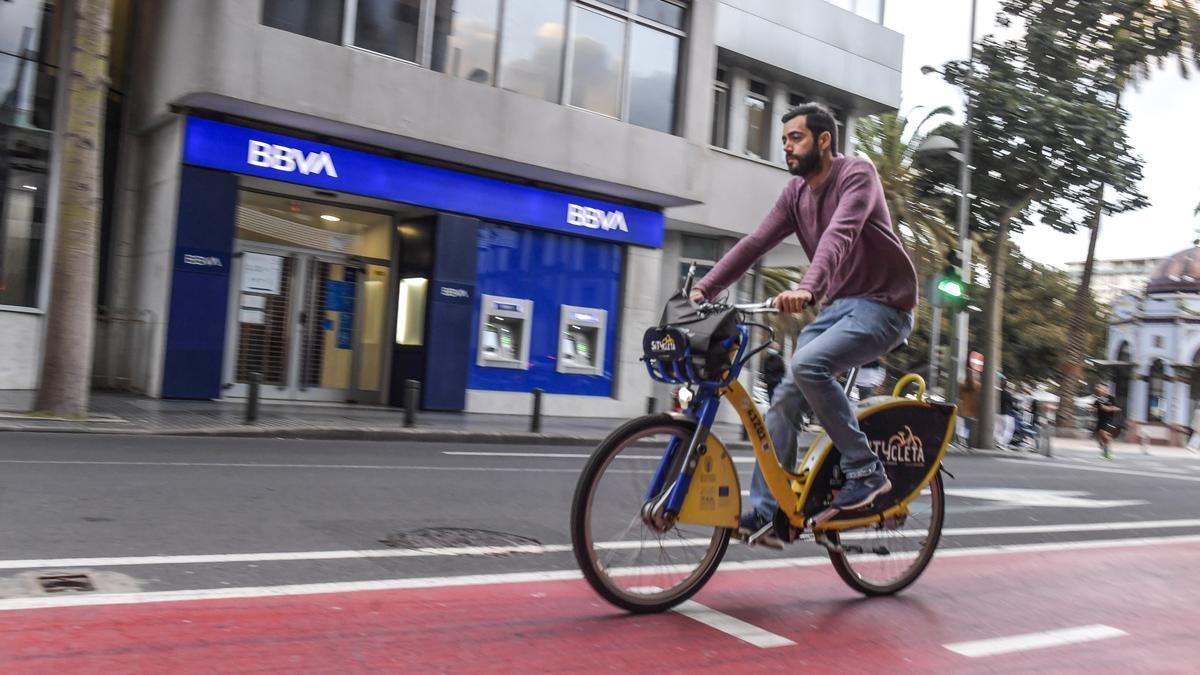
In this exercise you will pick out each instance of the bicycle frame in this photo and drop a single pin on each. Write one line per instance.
(718, 499)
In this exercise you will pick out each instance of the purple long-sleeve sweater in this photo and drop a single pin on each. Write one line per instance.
(845, 230)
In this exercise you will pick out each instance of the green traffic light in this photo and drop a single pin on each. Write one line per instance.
(951, 287)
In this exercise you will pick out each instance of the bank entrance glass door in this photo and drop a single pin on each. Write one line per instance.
(309, 303)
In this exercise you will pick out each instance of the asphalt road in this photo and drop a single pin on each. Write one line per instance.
(148, 517)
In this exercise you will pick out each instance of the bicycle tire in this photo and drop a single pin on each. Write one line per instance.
(597, 559)
(853, 567)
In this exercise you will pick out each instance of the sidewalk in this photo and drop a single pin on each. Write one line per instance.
(131, 414)
(114, 413)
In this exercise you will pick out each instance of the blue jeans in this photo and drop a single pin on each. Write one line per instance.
(848, 333)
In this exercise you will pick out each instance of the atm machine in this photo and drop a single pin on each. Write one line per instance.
(504, 325)
(581, 333)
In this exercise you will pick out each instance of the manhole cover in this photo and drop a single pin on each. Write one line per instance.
(65, 583)
(455, 537)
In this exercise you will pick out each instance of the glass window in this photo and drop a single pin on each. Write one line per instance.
(532, 48)
(23, 168)
(320, 19)
(464, 39)
(701, 248)
(869, 9)
(666, 13)
(619, 4)
(27, 30)
(758, 124)
(653, 68)
(599, 49)
(720, 118)
(1156, 404)
(388, 27)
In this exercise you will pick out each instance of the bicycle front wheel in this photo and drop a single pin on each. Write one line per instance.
(885, 558)
(629, 563)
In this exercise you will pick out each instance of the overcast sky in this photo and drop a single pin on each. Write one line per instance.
(1162, 130)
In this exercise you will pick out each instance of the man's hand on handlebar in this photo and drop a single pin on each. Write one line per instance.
(793, 302)
(696, 296)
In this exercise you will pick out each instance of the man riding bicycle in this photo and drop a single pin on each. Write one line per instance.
(859, 275)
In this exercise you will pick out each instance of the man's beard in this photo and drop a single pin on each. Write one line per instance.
(806, 164)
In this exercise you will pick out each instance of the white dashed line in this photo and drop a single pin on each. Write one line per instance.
(1028, 641)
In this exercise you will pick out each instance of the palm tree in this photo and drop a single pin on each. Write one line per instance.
(71, 317)
(1130, 37)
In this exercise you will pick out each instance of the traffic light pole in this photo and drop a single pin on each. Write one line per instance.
(958, 338)
(935, 342)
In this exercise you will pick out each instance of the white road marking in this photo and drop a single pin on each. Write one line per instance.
(539, 549)
(746, 632)
(41, 602)
(567, 455)
(223, 465)
(1074, 499)
(1101, 469)
(1028, 641)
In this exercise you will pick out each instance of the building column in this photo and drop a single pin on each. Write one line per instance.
(1139, 390)
(700, 67)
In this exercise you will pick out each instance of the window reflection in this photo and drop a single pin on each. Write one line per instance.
(388, 27)
(27, 82)
(320, 19)
(653, 66)
(464, 42)
(596, 73)
(531, 52)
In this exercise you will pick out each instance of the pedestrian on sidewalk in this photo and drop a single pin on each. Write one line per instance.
(968, 407)
(1194, 441)
(1106, 413)
(1007, 420)
(869, 379)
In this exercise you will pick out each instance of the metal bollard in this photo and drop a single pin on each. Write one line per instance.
(252, 400)
(535, 424)
(651, 405)
(412, 394)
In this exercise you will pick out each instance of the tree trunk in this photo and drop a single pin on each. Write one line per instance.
(71, 316)
(1071, 370)
(992, 337)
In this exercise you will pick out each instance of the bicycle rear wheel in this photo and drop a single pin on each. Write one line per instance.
(626, 561)
(884, 559)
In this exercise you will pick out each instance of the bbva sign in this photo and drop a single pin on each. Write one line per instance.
(595, 219)
(283, 158)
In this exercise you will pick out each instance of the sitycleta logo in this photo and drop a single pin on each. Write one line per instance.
(283, 158)
(666, 344)
(595, 219)
(904, 447)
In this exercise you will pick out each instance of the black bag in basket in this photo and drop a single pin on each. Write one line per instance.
(705, 333)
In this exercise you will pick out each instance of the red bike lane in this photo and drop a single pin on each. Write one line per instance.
(1144, 598)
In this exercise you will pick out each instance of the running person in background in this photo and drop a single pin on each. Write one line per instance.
(1106, 411)
(859, 275)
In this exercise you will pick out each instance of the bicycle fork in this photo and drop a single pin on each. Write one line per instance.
(663, 502)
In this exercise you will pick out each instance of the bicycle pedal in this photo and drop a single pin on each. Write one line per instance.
(765, 536)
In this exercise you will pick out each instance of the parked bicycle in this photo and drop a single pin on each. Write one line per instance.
(659, 499)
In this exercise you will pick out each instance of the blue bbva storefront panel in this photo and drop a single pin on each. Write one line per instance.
(259, 153)
(551, 270)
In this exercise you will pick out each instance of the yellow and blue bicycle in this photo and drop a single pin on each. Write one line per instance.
(659, 499)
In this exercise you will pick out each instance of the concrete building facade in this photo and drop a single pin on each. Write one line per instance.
(486, 196)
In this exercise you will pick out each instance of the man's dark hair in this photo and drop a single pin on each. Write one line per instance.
(818, 118)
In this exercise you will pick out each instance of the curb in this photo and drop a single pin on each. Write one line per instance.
(392, 434)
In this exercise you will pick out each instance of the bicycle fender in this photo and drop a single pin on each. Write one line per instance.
(714, 497)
